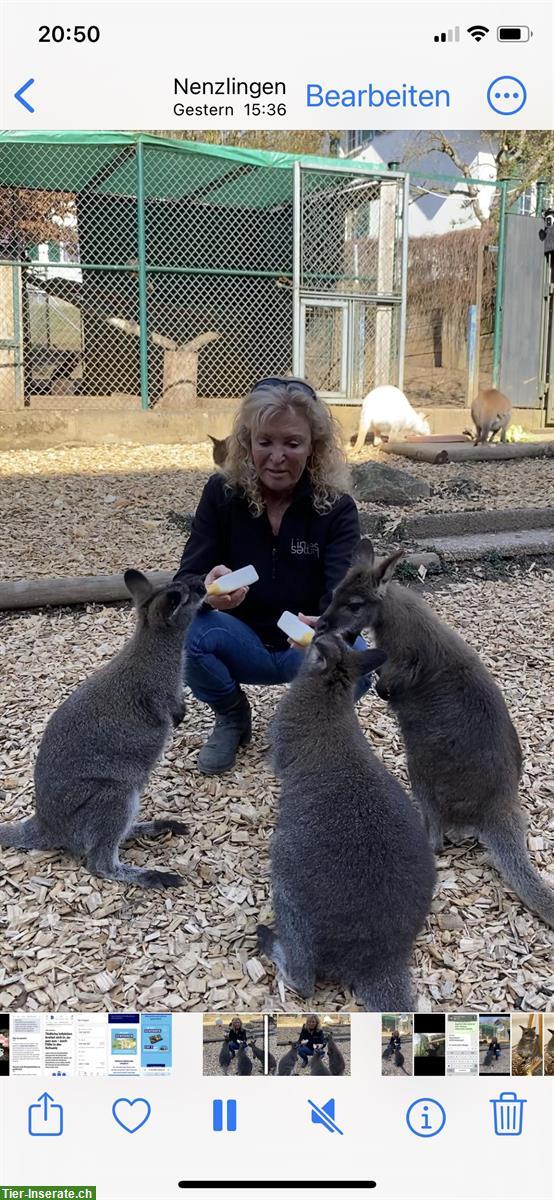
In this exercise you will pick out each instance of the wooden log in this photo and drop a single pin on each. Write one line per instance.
(495, 452)
(179, 388)
(71, 589)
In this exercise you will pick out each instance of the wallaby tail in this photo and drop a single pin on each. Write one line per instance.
(26, 835)
(508, 850)
(362, 434)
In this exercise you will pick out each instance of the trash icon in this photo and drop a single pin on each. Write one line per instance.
(508, 1114)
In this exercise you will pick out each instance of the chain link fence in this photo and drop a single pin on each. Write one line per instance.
(141, 271)
(144, 271)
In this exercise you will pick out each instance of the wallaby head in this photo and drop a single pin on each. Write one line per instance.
(220, 450)
(330, 659)
(357, 599)
(171, 607)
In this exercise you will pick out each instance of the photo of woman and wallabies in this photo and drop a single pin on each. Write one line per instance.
(351, 856)
(311, 1043)
(291, 1044)
(235, 1045)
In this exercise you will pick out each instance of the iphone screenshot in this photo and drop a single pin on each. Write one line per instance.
(276, 599)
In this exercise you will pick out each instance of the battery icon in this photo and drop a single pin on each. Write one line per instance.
(514, 33)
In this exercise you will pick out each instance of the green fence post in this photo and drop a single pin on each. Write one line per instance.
(142, 280)
(542, 185)
(499, 298)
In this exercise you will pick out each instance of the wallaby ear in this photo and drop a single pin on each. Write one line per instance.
(370, 660)
(364, 553)
(172, 601)
(385, 567)
(317, 656)
(138, 586)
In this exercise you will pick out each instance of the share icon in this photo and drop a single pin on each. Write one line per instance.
(325, 1116)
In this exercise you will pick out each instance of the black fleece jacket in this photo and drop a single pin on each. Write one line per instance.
(298, 568)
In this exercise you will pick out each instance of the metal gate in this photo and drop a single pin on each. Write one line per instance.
(523, 313)
(349, 279)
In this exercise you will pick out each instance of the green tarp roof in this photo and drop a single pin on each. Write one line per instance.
(105, 163)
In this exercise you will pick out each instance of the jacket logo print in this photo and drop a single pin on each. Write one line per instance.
(298, 546)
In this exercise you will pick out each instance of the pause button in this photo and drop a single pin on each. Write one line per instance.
(224, 1116)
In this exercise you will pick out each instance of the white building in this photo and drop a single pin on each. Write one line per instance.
(432, 211)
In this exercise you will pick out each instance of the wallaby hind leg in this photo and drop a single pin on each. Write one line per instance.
(387, 988)
(431, 818)
(109, 824)
(155, 828)
(507, 846)
(106, 863)
(293, 966)
(28, 835)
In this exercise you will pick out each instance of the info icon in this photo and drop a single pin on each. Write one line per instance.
(425, 1117)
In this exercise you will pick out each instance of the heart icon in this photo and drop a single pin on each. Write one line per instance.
(131, 1114)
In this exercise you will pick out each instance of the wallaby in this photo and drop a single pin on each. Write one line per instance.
(491, 413)
(464, 756)
(399, 1059)
(317, 1066)
(489, 1057)
(100, 746)
(334, 1056)
(288, 1062)
(352, 870)
(271, 1063)
(528, 1045)
(386, 410)
(244, 1062)
(225, 1056)
(258, 1054)
(549, 1054)
(220, 450)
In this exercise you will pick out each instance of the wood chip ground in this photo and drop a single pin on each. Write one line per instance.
(68, 941)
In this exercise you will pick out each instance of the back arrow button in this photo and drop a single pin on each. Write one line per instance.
(19, 95)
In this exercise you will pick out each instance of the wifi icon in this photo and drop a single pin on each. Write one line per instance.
(478, 32)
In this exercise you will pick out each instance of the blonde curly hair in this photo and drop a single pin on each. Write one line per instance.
(326, 465)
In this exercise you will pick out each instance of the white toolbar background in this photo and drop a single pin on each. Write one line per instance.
(275, 1137)
(126, 80)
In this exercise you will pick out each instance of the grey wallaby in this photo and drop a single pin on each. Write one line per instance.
(317, 1066)
(244, 1062)
(334, 1056)
(258, 1054)
(528, 1045)
(220, 450)
(271, 1063)
(352, 870)
(100, 746)
(399, 1059)
(464, 756)
(225, 1056)
(550, 1044)
(288, 1061)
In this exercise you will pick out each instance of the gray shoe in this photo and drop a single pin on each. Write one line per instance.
(233, 728)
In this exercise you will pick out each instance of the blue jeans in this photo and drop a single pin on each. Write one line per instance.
(304, 1052)
(222, 651)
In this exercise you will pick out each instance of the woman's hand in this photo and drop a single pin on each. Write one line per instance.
(230, 599)
(312, 622)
